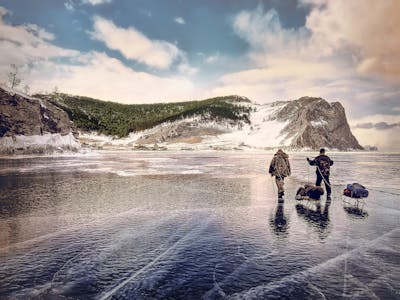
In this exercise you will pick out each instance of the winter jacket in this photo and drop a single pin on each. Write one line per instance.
(280, 166)
(323, 163)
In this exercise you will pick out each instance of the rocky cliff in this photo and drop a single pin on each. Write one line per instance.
(315, 123)
(32, 125)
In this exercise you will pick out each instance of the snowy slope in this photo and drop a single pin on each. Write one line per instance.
(262, 132)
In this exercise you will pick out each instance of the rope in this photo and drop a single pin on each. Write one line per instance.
(323, 177)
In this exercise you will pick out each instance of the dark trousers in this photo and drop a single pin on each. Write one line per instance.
(327, 183)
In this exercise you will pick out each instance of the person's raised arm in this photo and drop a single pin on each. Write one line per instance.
(311, 162)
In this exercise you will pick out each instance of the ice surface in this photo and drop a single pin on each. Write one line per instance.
(194, 225)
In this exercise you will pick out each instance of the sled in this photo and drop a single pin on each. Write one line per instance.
(354, 206)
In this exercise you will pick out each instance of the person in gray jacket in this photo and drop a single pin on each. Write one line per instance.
(280, 168)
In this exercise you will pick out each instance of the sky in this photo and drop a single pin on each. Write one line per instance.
(146, 51)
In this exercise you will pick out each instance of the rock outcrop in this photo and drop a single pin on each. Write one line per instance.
(315, 123)
(32, 125)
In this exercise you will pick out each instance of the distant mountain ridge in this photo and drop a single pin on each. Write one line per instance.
(221, 123)
(117, 119)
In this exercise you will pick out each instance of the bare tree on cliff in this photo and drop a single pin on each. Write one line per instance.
(13, 77)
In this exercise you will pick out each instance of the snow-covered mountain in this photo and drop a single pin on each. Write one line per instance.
(32, 125)
(305, 123)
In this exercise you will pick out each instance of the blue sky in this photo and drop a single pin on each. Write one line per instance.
(154, 51)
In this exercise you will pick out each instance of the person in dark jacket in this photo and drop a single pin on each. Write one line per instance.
(280, 168)
(323, 164)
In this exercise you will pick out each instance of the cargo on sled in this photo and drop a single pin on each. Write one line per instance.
(309, 192)
(353, 197)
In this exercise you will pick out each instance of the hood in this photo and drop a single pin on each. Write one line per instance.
(281, 154)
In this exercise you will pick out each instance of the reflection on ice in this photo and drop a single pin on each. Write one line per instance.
(279, 222)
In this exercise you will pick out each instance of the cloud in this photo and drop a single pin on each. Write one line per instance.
(69, 5)
(378, 130)
(100, 76)
(267, 37)
(179, 20)
(134, 45)
(385, 140)
(369, 29)
(281, 65)
(92, 74)
(212, 58)
(25, 45)
(186, 69)
(379, 126)
(4, 11)
(287, 63)
(96, 2)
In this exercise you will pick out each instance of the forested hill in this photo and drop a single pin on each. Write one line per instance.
(117, 119)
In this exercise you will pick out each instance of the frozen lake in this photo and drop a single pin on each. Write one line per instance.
(195, 225)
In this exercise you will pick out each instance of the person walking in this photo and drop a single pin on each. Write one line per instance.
(280, 168)
(323, 164)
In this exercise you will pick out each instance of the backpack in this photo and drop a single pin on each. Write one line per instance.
(355, 190)
(324, 166)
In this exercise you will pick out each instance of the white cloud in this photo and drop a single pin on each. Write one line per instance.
(376, 119)
(179, 20)
(90, 74)
(282, 67)
(266, 36)
(385, 140)
(312, 2)
(369, 29)
(4, 11)
(96, 2)
(135, 45)
(186, 69)
(212, 58)
(312, 60)
(69, 5)
(103, 77)
(26, 44)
